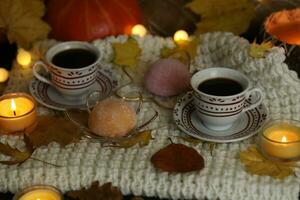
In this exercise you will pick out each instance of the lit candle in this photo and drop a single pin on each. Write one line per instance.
(139, 30)
(280, 140)
(17, 113)
(181, 37)
(4, 74)
(39, 192)
(24, 58)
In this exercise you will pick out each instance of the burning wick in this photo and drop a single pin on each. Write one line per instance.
(13, 106)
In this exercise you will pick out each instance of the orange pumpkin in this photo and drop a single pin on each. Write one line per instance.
(91, 19)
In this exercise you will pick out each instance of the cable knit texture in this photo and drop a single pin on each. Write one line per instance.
(130, 169)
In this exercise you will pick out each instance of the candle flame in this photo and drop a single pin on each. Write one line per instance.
(283, 139)
(13, 105)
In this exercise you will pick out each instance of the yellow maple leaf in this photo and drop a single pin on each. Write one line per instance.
(126, 54)
(21, 20)
(228, 15)
(259, 50)
(256, 164)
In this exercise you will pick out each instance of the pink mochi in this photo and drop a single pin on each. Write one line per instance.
(167, 77)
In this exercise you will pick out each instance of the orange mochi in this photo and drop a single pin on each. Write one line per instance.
(112, 118)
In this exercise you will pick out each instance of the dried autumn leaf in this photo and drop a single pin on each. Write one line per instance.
(54, 129)
(21, 20)
(259, 50)
(127, 53)
(228, 15)
(95, 192)
(178, 158)
(142, 138)
(256, 164)
(18, 156)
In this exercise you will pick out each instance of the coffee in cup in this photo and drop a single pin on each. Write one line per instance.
(73, 67)
(220, 95)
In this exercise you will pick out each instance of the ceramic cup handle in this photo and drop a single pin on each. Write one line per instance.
(260, 96)
(36, 73)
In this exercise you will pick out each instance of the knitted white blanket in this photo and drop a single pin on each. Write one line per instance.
(130, 169)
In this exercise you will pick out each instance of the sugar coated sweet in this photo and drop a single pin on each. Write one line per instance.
(167, 77)
(112, 118)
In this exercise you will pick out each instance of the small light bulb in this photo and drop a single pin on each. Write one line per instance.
(181, 37)
(24, 58)
(139, 30)
(4, 74)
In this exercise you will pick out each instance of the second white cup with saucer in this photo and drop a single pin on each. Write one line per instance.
(219, 96)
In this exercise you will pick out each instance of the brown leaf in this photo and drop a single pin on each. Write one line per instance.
(21, 19)
(256, 164)
(136, 198)
(178, 158)
(54, 129)
(105, 192)
(18, 156)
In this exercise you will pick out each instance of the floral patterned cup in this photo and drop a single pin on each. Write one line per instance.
(70, 82)
(220, 112)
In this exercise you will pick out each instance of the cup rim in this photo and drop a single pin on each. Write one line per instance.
(275, 121)
(71, 43)
(215, 96)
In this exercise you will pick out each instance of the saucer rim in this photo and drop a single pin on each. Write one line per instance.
(251, 134)
(39, 100)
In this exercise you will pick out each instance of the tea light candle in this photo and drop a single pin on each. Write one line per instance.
(39, 192)
(17, 113)
(4, 74)
(139, 30)
(280, 140)
(24, 58)
(181, 37)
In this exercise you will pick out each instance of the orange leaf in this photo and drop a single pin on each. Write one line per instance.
(178, 158)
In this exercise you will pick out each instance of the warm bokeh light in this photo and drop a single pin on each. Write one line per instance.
(181, 37)
(139, 30)
(24, 58)
(283, 139)
(4, 74)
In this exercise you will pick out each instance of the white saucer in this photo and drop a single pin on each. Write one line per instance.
(51, 98)
(246, 126)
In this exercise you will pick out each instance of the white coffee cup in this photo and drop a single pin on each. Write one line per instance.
(70, 82)
(220, 112)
